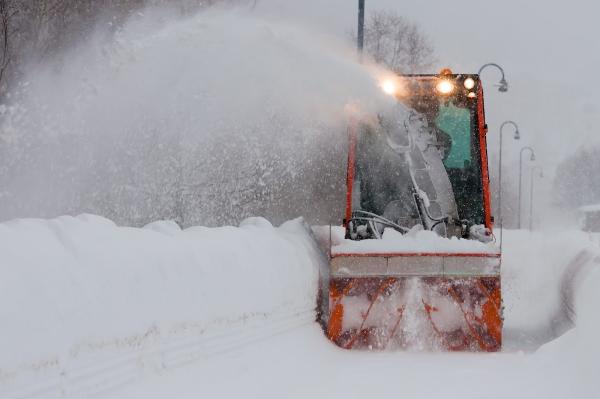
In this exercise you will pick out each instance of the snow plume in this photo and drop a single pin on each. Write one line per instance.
(204, 120)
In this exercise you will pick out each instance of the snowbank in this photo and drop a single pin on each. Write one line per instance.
(535, 267)
(587, 344)
(578, 350)
(72, 287)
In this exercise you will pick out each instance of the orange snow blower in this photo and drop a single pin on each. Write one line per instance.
(415, 266)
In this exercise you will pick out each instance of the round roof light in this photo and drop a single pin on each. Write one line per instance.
(469, 83)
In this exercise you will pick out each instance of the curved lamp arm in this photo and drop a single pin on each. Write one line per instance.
(517, 133)
(503, 84)
(527, 148)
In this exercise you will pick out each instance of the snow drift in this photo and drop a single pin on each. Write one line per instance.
(536, 273)
(76, 292)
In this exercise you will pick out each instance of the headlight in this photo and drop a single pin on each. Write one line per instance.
(389, 87)
(469, 83)
(445, 86)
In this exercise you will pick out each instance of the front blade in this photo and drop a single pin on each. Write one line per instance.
(461, 311)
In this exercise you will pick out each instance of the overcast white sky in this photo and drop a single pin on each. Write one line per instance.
(550, 51)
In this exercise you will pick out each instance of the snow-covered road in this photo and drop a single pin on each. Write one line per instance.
(89, 308)
(303, 364)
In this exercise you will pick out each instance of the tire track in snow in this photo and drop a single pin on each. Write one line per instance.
(99, 371)
(573, 277)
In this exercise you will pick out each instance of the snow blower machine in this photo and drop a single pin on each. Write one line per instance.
(415, 265)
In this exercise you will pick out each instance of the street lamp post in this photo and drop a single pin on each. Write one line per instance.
(531, 158)
(503, 84)
(517, 136)
(361, 27)
(541, 174)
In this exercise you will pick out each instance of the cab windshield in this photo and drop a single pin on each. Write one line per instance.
(444, 160)
(453, 121)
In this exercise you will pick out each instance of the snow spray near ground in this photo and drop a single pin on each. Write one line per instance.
(205, 120)
(81, 296)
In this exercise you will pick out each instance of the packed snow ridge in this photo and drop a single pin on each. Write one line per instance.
(76, 287)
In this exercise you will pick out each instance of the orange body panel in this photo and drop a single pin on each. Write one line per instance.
(350, 170)
(487, 203)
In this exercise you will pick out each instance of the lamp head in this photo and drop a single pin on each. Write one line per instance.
(517, 134)
(503, 86)
(532, 157)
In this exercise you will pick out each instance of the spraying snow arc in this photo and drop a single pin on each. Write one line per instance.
(213, 118)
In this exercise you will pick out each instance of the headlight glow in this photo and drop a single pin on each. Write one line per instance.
(469, 83)
(445, 86)
(389, 87)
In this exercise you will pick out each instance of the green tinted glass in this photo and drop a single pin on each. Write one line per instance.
(456, 123)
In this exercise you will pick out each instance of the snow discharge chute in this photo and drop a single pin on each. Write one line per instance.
(414, 266)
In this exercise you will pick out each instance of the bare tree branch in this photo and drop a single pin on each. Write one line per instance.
(5, 17)
(397, 43)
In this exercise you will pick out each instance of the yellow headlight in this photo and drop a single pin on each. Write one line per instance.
(445, 86)
(389, 87)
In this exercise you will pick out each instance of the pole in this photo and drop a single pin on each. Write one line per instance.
(361, 26)
(521, 175)
(531, 195)
(531, 201)
(517, 136)
(520, 178)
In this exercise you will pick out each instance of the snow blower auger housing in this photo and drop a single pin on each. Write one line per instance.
(415, 265)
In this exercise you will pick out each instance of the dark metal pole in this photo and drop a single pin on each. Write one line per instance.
(532, 158)
(517, 136)
(531, 185)
(531, 200)
(361, 26)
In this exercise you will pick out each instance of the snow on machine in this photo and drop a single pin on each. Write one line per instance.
(415, 265)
